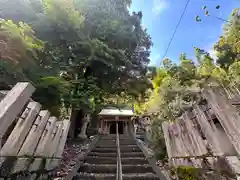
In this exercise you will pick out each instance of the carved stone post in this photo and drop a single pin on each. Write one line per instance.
(147, 128)
(126, 128)
(197, 141)
(131, 129)
(86, 120)
(169, 146)
(208, 131)
(227, 114)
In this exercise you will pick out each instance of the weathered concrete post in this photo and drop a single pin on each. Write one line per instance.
(227, 114)
(131, 129)
(197, 141)
(147, 127)
(126, 129)
(208, 131)
(82, 134)
(169, 146)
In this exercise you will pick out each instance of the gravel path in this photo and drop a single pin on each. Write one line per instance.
(71, 153)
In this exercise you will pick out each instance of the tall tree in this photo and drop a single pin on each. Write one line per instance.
(228, 45)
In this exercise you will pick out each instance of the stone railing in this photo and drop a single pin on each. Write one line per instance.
(210, 129)
(33, 140)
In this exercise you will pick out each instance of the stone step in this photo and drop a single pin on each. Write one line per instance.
(113, 160)
(136, 160)
(102, 154)
(132, 154)
(130, 149)
(129, 145)
(92, 176)
(110, 140)
(104, 150)
(136, 168)
(105, 146)
(100, 160)
(106, 142)
(114, 146)
(125, 137)
(140, 176)
(121, 137)
(112, 168)
(122, 149)
(108, 137)
(98, 168)
(127, 142)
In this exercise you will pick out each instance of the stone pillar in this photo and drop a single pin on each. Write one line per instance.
(209, 131)
(86, 120)
(108, 128)
(131, 129)
(227, 114)
(147, 128)
(195, 140)
(105, 127)
(101, 125)
(147, 137)
(126, 128)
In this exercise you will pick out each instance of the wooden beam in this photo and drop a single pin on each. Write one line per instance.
(44, 144)
(226, 113)
(21, 130)
(31, 141)
(197, 141)
(208, 130)
(59, 141)
(165, 127)
(12, 104)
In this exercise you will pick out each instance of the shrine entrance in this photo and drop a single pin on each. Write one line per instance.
(113, 127)
(121, 127)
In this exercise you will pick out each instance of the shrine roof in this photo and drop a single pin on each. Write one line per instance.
(116, 112)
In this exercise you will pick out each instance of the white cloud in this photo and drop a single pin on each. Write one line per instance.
(158, 6)
(210, 49)
(154, 59)
(213, 54)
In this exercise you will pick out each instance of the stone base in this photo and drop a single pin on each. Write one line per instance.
(82, 137)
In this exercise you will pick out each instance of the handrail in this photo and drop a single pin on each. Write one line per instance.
(119, 164)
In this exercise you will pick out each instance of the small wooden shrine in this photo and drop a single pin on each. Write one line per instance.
(110, 117)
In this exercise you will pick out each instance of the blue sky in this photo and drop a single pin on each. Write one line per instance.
(160, 17)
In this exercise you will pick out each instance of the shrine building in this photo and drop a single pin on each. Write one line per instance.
(112, 120)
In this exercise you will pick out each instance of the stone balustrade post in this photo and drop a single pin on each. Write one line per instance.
(86, 120)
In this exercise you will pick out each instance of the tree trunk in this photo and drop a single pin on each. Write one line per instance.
(76, 122)
(73, 123)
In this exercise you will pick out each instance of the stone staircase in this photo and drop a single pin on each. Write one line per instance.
(134, 164)
(101, 162)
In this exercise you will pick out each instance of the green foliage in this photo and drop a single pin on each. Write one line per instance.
(54, 89)
(94, 53)
(18, 43)
(18, 50)
(176, 87)
(234, 73)
(228, 46)
(157, 140)
(63, 13)
(187, 173)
